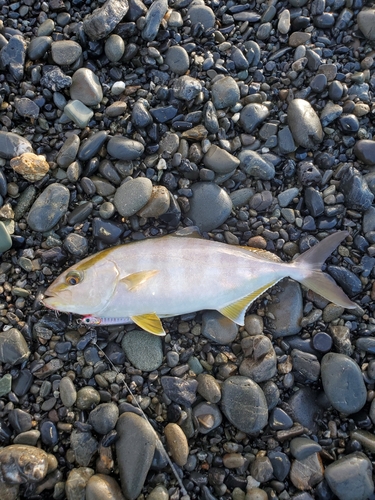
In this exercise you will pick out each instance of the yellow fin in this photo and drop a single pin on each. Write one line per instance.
(236, 311)
(263, 254)
(149, 322)
(136, 279)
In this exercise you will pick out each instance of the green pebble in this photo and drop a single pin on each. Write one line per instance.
(20, 292)
(195, 365)
(5, 239)
(5, 385)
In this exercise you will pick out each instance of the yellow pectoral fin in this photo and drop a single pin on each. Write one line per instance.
(137, 279)
(149, 322)
(236, 311)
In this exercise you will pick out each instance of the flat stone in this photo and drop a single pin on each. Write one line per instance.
(103, 487)
(135, 450)
(254, 165)
(200, 13)
(177, 59)
(225, 93)
(210, 206)
(304, 124)
(144, 351)
(68, 393)
(21, 464)
(86, 87)
(68, 151)
(133, 195)
(181, 391)
(123, 148)
(244, 404)
(13, 347)
(177, 443)
(351, 477)
(13, 55)
(12, 145)
(307, 473)
(26, 108)
(92, 145)
(343, 383)
(31, 166)
(78, 113)
(219, 160)
(153, 19)
(252, 115)
(65, 52)
(209, 388)
(365, 151)
(49, 207)
(103, 21)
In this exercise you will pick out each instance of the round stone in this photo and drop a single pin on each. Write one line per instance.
(65, 52)
(133, 195)
(158, 204)
(48, 208)
(365, 151)
(12, 145)
(304, 124)
(244, 404)
(218, 328)
(144, 351)
(366, 23)
(252, 115)
(225, 93)
(219, 160)
(343, 383)
(177, 59)
(123, 148)
(103, 487)
(21, 464)
(86, 87)
(200, 13)
(210, 206)
(104, 417)
(68, 393)
(114, 48)
(87, 398)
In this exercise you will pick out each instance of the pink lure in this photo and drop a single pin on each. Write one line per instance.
(90, 320)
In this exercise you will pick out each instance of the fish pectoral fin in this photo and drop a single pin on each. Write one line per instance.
(236, 310)
(149, 322)
(137, 279)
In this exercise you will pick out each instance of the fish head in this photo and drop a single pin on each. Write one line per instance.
(84, 288)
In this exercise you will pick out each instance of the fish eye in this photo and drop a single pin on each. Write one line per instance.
(73, 278)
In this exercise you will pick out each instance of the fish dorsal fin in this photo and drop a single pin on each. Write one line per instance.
(136, 279)
(149, 322)
(264, 254)
(236, 310)
(187, 232)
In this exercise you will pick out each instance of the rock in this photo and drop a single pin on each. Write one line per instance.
(303, 408)
(209, 388)
(306, 365)
(103, 21)
(260, 358)
(54, 79)
(13, 55)
(103, 487)
(38, 47)
(123, 148)
(65, 52)
(181, 391)
(343, 383)
(114, 48)
(200, 13)
(177, 443)
(26, 108)
(210, 206)
(68, 151)
(78, 113)
(135, 450)
(365, 151)
(160, 492)
(12, 145)
(68, 393)
(13, 347)
(280, 464)
(86, 87)
(158, 204)
(22, 464)
(144, 351)
(348, 281)
(153, 18)
(87, 398)
(307, 473)
(255, 165)
(31, 166)
(207, 417)
(225, 93)
(351, 477)
(302, 448)
(219, 160)
(132, 196)
(261, 469)
(244, 404)
(5, 239)
(252, 115)
(366, 23)
(279, 419)
(84, 446)
(304, 124)
(75, 486)
(186, 88)
(287, 310)
(177, 59)
(104, 417)
(48, 208)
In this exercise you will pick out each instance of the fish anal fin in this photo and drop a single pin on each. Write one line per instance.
(136, 279)
(236, 310)
(149, 322)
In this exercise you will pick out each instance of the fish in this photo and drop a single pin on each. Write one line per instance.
(155, 278)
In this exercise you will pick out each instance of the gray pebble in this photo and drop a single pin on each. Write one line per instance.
(13, 55)
(13, 347)
(133, 195)
(287, 310)
(280, 463)
(46, 28)
(68, 151)
(351, 477)
(114, 48)
(225, 93)
(365, 151)
(210, 206)
(77, 480)
(303, 408)
(279, 420)
(314, 201)
(219, 160)
(48, 208)
(5, 239)
(92, 145)
(252, 115)
(38, 47)
(20, 420)
(271, 392)
(343, 383)
(244, 404)
(306, 365)
(177, 59)
(301, 447)
(103, 20)
(65, 52)
(54, 79)
(261, 201)
(144, 351)
(160, 492)
(200, 13)
(76, 244)
(68, 393)
(123, 148)
(260, 358)
(307, 473)
(85, 87)
(255, 165)
(12, 145)
(211, 121)
(366, 20)
(218, 328)
(158, 204)
(135, 450)
(207, 417)
(104, 417)
(84, 446)
(107, 210)
(140, 115)
(261, 469)
(285, 141)
(181, 391)
(153, 18)
(80, 213)
(87, 398)
(348, 281)
(78, 113)
(304, 124)
(186, 88)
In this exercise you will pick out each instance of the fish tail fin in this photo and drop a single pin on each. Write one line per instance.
(311, 262)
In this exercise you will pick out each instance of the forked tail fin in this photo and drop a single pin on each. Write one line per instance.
(310, 264)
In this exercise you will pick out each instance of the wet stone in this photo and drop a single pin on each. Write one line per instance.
(68, 151)
(68, 393)
(351, 477)
(38, 47)
(123, 148)
(348, 397)
(225, 93)
(252, 115)
(286, 310)
(302, 448)
(322, 342)
(200, 13)
(104, 417)
(91, 146)
(153, 19)
(114, 48)
(5, 239)
(207, 417)
(65, 52)
(21, 464)
(260, 358)
(244, 404)
(279, 420)
(255, 165)
(103, 487)
(304, 124)
(144, 351)
(76, 244)
(13, 55)
(48, 433)
(48, 208)
(307, 473)
(103, 20)
(86, 87)
(210, 206)
(280, 464)
(181, 391)
(13, 347)
(135, 449)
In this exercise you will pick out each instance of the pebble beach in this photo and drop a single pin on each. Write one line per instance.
(253, 121)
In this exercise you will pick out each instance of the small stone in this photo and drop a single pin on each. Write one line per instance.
(84, 446)
(252, 115)
(31, 166)
(219, 160)
(13, 347)
(104, 417)
(144, 351)
(181, 391)
(123, 148)
(65, 52)
(260, 358)
(158, 203)
(287, 310)
(48, 208)
(200, 13)
(280, 463)
(12, 145)
(210, 206)
(279, 419)
(177, 59)
(209, 388)
(114, 48)
(160, 492)
(133, 195)
(347, 396)
(302, 448)
(261, 469)
(75, 487)
(103, 20)
(304, 124)
(86, 87)
(255, 165)
(307, 473)
(225, 93)
(103, 487)
(54, 79)
(38, 47)
(186, 88)
(68, 151)
(177, 443)
(5, 239)
(153, 19)
(78, 113)
(26, 108)
(207, 417)
(365, 151)
(87, 398)
(13, 55)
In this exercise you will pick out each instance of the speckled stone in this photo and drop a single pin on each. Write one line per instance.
(144, 350)
(31, 166)
(133, 195)
(304, 124)
(103, 487)
(210, 206)
(103, 20)
(177, 443)
(21, 464)
(48, 208)
(86, 87)
(12, 145)
(225, 92)
(65, 52)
